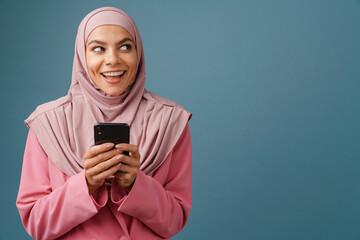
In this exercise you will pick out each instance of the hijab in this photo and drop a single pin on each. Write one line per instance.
(64, 127)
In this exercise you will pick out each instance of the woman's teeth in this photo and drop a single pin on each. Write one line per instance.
(113, 74)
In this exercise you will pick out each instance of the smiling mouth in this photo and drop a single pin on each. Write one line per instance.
(113, 74)
(113, 77)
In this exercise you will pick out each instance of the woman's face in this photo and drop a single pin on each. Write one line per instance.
(111, 58)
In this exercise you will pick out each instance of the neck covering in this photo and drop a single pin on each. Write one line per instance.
(64, 127)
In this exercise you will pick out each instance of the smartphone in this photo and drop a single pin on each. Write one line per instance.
(112, 132)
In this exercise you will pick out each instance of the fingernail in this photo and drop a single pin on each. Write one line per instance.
(118, 166)
(110, 145)
(118, 157)
(119, 150)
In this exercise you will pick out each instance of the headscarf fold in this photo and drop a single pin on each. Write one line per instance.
(64, 127)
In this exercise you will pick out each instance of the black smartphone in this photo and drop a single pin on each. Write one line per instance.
(112, 132)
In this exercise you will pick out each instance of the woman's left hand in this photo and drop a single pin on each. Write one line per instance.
(129, 165)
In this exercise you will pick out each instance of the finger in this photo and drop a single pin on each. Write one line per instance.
(97, 149)
(133, 149)
(107, 173)
(130, 161)
(126, 169)
(104, 165)
(104, 156)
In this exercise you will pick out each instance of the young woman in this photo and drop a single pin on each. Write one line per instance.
(72, 189)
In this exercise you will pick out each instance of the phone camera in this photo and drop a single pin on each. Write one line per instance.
(98, 130)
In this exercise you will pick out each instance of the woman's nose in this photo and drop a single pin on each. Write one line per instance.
(112, 58)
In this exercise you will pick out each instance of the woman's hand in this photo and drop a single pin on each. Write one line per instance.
(101, 162)
(129, 166)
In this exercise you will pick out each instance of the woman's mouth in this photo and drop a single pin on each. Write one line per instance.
(113, 77)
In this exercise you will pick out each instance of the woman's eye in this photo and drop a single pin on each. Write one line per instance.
(126, 47)
(98, 49)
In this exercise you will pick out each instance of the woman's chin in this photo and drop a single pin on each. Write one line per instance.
(113, 93)
(113, 90)
(112, 86)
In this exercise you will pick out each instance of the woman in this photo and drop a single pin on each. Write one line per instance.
(71, 189)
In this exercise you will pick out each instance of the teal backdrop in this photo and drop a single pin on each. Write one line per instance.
(274, 91)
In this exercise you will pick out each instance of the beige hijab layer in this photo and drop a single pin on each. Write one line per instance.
(64, 127)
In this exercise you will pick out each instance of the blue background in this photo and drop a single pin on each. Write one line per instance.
(274, 91)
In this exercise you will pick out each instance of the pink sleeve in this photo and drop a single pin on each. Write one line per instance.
(48, 213)
(163, 207)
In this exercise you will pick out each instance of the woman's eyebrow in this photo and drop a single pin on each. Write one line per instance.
(97, 42)
(103, 43)
(125, 40)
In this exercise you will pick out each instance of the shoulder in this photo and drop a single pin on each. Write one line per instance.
(161, 100)
(47, 107)
(167, 105)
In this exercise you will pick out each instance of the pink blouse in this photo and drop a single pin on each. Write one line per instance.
(53, 205)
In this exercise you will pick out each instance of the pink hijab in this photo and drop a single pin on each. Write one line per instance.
(64, 127)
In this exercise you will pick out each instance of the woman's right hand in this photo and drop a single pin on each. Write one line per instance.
(100, 162)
